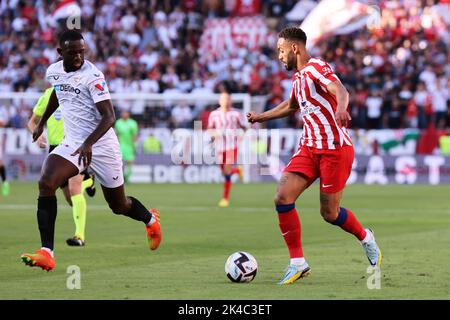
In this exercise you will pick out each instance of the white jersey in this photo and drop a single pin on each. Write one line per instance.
(77, 93)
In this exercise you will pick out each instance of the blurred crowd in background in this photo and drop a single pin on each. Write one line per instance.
(398, 75)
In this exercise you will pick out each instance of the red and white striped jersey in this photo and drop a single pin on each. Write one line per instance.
(232, 119)
(228, 123)
(318, 106)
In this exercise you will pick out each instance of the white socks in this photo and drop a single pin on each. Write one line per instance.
(367, 238)
(152, 220)
(298, 261)
(48, 250)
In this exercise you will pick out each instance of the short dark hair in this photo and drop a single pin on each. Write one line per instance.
(70, 35)
(293, 33)
(225, 87)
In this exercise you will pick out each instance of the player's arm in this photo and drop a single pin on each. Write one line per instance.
(282, 110)
(31, 125)
(105, 108)
(52, 105)
(342, 97)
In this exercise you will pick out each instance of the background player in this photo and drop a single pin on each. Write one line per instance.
(5, 183)
(226, 121)
(74, 187)
(127, 132)
(89, 141)
(326, 151)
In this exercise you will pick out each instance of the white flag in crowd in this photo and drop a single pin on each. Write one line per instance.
(331, 17)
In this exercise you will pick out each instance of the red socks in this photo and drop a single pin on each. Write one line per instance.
(348, 222)
(290, 227)
(227, 186)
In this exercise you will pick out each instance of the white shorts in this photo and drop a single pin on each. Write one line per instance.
(106, 162)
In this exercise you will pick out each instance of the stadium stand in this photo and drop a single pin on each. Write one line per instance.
(398, 75)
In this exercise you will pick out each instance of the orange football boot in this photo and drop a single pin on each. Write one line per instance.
(154, 235)
(40, 258)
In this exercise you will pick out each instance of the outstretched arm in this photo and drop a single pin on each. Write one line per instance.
(106, 110)
(282, 110)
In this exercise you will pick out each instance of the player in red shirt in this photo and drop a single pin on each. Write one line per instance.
(325, 151)
(226, 122)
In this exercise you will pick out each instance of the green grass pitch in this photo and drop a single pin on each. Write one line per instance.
(411, 223)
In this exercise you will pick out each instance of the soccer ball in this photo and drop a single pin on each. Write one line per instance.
(241, 267)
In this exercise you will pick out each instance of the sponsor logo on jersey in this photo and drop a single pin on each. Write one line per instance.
(66, 88)
(101, 87)
(308, 108)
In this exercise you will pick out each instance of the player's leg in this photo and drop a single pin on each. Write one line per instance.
(238, 170)
(88, 183)
(56, 170)
(290, 187)
(128, 170)
(299, 173)
(128, 158)
(66, 193)
(227, 160)
(107, 166)
(335, 168)
(131, 207)
(5, 183)
(332, 213)
(226, 172)
(78, 210)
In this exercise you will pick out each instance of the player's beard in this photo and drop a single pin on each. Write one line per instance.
(290, 63)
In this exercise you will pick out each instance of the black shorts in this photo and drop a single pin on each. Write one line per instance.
(66, 183)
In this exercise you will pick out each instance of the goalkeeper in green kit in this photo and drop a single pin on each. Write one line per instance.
(127, 132)
(73, 188)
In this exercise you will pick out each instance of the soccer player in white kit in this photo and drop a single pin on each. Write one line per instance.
(82, 94)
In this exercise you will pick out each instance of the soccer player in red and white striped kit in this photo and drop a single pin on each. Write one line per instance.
(325, 151)
(224, 124)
